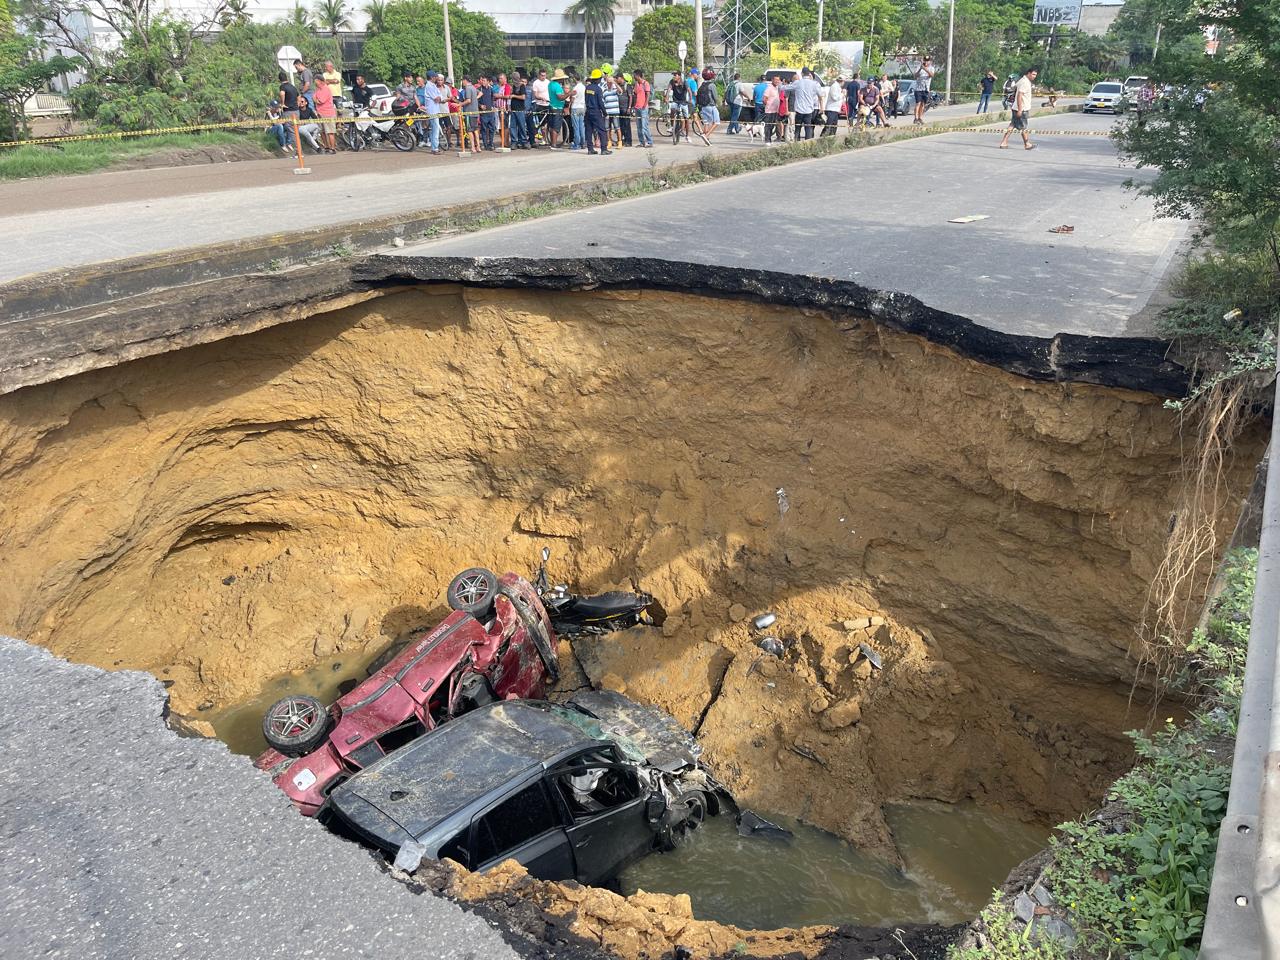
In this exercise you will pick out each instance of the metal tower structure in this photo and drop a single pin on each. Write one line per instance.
(739, 29)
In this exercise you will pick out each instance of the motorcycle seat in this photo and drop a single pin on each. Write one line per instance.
(606, 605)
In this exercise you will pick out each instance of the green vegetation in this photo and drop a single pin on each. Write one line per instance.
(657, 35)
(89, 155)
(1213, 148)
(412, 38)
(23, 71)
(1134, 879)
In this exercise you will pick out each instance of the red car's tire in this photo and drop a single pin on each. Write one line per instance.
(473, 591)
(295, 725)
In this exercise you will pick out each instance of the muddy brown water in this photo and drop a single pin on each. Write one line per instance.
(954, 854)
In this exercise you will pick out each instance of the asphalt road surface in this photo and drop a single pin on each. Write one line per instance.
(122, 840)
(881, 217)
(94, 218)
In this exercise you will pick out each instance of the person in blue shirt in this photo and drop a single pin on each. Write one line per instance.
(757, 99)
(597, 116)
(420, 98)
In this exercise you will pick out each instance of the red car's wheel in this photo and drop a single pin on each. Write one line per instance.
(473, 591)
(295, 725)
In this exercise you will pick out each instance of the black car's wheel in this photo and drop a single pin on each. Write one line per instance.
(295, 725)
(473, 591)
(685, 816)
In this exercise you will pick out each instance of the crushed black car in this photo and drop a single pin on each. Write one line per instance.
(573, 792)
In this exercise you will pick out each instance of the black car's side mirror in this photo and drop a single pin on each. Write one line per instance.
(655, 807)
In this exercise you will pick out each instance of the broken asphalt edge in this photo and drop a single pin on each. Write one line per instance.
(52, 348)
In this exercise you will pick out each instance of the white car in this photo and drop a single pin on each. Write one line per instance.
(1108, 95)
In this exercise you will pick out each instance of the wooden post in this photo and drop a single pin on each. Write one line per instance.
(301, 168)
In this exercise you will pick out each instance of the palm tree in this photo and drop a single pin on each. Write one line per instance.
(596, 17)
(376, 11)
(299, 17)
(332, 15)
(233, 12)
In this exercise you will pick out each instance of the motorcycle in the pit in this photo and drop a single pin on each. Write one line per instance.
(573, 615)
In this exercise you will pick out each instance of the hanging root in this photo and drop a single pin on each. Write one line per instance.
(1185, 575)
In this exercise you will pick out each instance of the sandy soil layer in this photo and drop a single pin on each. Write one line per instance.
(233, 511)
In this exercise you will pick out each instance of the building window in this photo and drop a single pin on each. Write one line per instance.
(556, 48)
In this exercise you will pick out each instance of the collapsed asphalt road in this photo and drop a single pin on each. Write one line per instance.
(123, 840)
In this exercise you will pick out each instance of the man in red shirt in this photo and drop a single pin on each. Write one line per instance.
(326, 111)
(641, 100)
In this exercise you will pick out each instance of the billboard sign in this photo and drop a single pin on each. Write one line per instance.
(1063, 13)
(795, 56)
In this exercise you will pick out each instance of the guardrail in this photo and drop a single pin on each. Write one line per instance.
(1242, 921)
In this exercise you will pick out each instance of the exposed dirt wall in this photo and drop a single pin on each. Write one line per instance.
(231, 511)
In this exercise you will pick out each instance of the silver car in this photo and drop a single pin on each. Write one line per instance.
(1108, 95)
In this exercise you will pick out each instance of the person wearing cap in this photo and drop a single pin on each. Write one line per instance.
(555, 107)
(596, 116)
(706, 102)
(277, 129)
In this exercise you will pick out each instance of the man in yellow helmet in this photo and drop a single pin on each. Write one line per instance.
(597, 118)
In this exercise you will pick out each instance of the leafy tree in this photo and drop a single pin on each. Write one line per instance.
(23, 72)
(141, 33)
(413, 39)
(333, 16)
(656, 37)
(376, 11)
(596, 17)
(1135, 27)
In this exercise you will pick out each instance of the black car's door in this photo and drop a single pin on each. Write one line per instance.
(606, 802)
(525, 826)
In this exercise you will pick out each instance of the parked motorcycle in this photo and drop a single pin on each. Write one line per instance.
(372, 130)
(572, 614)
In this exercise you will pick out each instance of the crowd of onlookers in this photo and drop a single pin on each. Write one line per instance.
(597, 113)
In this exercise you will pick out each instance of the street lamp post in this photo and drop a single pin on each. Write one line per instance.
(448, 44)
(951, 39)
(820, 20)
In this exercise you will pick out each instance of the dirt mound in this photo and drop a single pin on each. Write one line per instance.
(648, 926)
(233, 511)
(192, 156)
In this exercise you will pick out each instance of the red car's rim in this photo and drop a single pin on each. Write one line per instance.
(471, 589)
(293, 717)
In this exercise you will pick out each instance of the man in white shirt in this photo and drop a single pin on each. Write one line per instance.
(804, 92)
(1020, 115)
(924, 78)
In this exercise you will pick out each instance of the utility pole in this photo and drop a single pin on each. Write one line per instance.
(820, 20)
(448, 44)
(951, 39)
(1155, 51)
(697, 35)
(871, 42)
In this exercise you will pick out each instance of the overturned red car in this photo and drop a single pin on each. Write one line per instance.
(497, 644)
